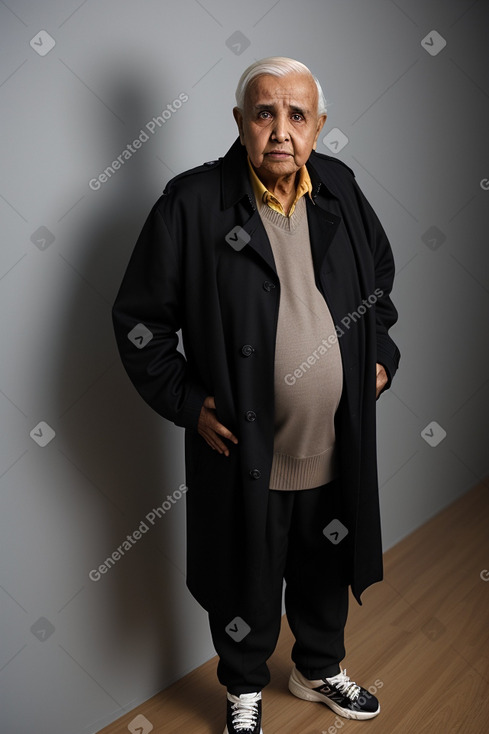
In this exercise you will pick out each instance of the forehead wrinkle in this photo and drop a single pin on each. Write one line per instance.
(258, 98)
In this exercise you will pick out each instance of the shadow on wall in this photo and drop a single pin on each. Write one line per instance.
(129, 454)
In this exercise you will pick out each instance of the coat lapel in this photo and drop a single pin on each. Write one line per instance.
(322, 229)
(259, 241)
(236, 190)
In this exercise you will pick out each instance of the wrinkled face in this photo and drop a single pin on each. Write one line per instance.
(279, 125)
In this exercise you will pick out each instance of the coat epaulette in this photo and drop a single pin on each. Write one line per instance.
(325, 157)
(197, 169)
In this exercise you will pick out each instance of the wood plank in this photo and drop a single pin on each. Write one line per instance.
(421, 638)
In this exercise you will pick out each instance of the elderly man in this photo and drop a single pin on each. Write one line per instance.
(278, 273)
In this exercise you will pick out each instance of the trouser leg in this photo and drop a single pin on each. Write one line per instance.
(242, 666)
(316, 597)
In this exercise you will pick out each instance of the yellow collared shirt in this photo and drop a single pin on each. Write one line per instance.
(263, 194)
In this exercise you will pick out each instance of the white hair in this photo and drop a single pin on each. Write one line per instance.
(276, 66)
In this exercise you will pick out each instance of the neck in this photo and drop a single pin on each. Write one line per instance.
(283, 188)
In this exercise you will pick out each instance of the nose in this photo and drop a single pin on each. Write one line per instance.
(279, 132)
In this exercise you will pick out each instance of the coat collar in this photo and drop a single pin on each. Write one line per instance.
(236, 184)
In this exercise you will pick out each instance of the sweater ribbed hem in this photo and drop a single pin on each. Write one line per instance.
(291, 473)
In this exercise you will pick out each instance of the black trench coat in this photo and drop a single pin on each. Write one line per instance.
(190, 271)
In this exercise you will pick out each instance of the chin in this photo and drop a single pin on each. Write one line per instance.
(282, 168)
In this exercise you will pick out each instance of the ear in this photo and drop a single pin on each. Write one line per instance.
(238, 116)
(320, 124)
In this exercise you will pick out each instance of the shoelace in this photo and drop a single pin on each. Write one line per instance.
(346, 686)
(245, 712)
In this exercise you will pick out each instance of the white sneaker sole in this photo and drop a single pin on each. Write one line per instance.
(307, 694)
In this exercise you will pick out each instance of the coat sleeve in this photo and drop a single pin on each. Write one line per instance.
(388, 353)
(147, 315)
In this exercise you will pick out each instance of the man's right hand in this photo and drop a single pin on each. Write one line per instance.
(210, 428)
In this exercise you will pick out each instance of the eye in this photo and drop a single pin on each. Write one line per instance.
(297, 117)
(264, 115)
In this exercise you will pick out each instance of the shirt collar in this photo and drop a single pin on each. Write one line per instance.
(236, 178)
(304, 186)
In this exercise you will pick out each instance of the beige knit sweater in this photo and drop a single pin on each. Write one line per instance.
(308, 368)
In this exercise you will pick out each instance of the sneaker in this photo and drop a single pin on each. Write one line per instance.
(342, 695)
(244, 714)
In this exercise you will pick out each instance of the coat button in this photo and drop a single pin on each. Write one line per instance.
(250, 415)
(255, 473)
(247, 350)
(268, 285)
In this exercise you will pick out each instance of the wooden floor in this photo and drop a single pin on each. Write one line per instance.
(421, 638)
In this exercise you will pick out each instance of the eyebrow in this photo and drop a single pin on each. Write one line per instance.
(271, 105)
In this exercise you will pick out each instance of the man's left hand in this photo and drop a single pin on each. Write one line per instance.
(382, 379)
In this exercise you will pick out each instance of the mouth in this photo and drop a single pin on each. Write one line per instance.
(278, 155)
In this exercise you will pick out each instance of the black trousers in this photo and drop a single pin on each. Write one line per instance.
(316, 598)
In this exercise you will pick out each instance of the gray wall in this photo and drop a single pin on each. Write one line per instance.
(77, 652)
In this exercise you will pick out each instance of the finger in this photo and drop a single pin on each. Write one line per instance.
(206, 430)
(216, 444)
(220, 445)
(224, 432)
(213, 424)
